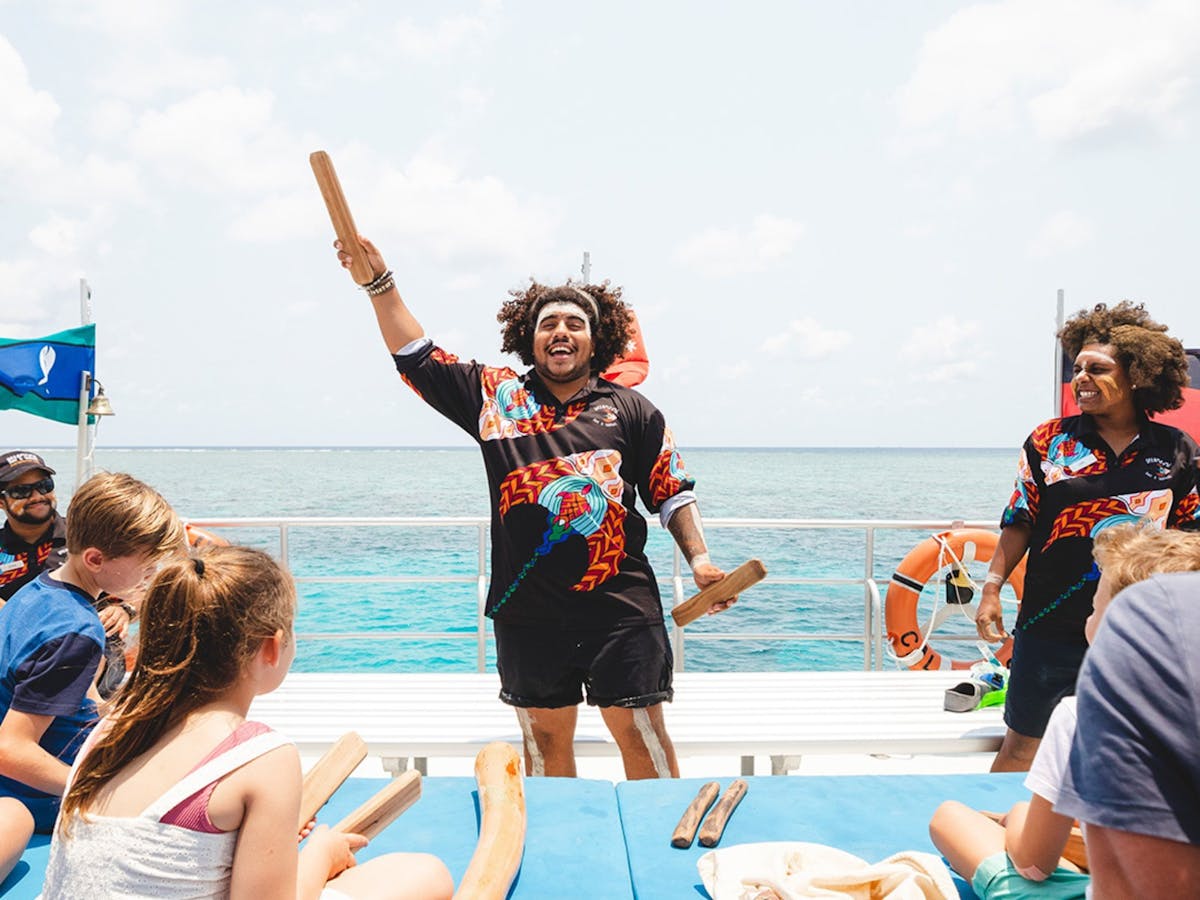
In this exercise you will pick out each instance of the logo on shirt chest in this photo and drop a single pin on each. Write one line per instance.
(1158, 468)
(604, 414)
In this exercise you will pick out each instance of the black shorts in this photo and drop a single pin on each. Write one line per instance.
(549, 666)
(1042, 672)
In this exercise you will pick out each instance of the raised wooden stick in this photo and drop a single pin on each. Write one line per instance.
(339, 213)
(328, 773)
(746, 575)
(497, 855)
(382, 809)
(685, 831)
(714, 825)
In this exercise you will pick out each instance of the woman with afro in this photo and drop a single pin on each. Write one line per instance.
(1077, 476)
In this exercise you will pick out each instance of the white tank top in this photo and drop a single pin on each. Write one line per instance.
(140, 857)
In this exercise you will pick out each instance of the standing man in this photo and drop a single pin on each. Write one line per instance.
(573, 600)
(33, 539)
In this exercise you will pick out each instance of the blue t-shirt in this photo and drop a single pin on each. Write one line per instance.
(1135, 759)
(51, 643)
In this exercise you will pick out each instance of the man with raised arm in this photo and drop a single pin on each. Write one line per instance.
(573, 600)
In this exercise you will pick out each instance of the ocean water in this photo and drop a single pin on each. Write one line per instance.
(896, 484)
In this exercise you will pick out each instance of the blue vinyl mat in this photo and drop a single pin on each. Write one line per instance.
(871, 816)
(573, 841)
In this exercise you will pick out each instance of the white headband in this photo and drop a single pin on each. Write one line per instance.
(564, 307)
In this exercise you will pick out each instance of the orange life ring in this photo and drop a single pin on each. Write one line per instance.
(904, 590)
(197, 537)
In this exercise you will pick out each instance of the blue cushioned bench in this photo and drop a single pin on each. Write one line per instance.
(573, 843)
(871, 816)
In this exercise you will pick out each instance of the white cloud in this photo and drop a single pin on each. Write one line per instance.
(943, 351)
(446, 39)
(148, 73)
(1067, 69)
(224, 138)
(1063, 231)
(733, 372)
(120, 19)
(729, 251)
(807, 339)
(27, 116)
(439, 210)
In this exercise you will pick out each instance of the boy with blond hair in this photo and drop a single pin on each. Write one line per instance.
(1021, 857)
(52, 641)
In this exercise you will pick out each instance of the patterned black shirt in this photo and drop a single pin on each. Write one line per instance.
(1070, 486)
(567, 542)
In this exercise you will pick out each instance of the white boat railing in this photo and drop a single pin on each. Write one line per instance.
(871, 635)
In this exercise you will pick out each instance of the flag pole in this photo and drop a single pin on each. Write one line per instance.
(85, 436)
(1058, 358)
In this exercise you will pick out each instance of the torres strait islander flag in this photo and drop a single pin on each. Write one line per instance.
(41, 376)
(1186, 418)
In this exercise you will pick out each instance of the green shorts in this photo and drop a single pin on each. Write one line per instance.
(997, 879)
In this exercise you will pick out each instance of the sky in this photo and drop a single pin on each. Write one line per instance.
(840, 224)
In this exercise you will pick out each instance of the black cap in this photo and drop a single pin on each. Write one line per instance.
(16, 463)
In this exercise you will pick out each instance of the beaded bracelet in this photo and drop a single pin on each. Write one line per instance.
(380, 284)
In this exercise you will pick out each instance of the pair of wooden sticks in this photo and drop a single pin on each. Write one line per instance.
(714, 825)
(330, 772)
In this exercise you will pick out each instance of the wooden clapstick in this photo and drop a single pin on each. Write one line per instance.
(714, 825)
(685, 831)
(328, 774)
(746, 575)
(1075, 851)
(339, 213)
(384, 807)
(497, 855)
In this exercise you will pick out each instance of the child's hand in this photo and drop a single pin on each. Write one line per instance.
(307, 829)
(334, 847)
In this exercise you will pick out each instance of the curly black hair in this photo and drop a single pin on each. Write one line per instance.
(1155, 361)
(610, 333)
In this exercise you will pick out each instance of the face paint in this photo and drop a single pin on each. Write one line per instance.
(537, 763)
(564, 308)
(658, 754)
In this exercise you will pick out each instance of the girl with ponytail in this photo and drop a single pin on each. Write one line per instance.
(176, 794)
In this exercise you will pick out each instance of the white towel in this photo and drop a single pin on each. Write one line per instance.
(800, 871)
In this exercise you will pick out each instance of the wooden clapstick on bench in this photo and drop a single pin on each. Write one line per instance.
(329, 773)
(339, 214)
(746, 575)
(384, 807)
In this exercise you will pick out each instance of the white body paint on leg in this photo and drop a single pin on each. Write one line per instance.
(658, 755)
(535, 755)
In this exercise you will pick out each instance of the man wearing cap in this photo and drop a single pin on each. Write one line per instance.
(575, 605)
(33, 540)
(34, 536)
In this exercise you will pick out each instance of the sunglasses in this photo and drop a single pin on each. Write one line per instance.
(25, 491)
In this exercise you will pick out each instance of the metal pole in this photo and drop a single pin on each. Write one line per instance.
(1058, 357)
(586, 268)
(85, 436)
(82, 453)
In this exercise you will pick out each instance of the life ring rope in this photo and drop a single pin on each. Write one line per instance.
(954, 550)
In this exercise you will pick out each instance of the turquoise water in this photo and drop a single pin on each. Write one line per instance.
(910, 484)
